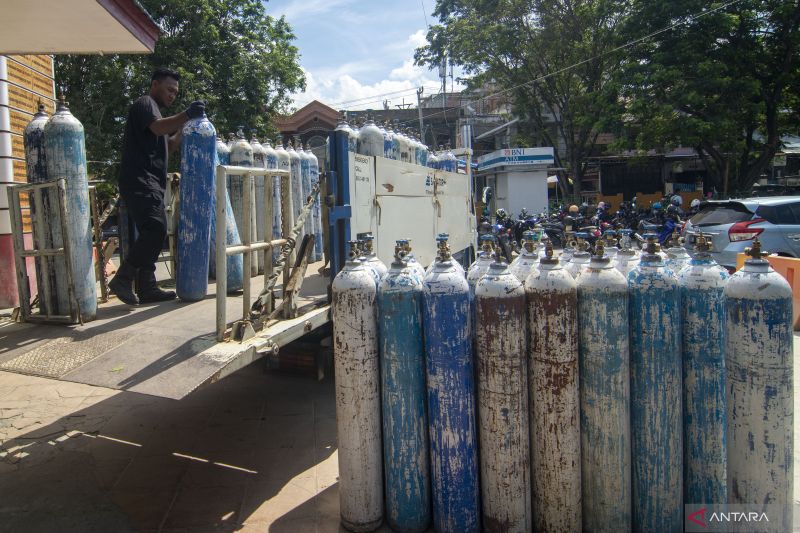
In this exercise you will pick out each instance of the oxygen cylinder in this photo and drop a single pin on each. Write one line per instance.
(242, 156)
(412, 262)
(677, 256)
(702, 284)
(65, 152)
(759, 366)
(317, 212)
(305, 175)
(259, 161)
(36, 166)
(405, 426)
(433, 161)
(358, 404)
(527, 259)
(223, 152)
(656, 394)
(481, 264)
(284, 163)
(580, 257)
(625, 259)
(370, 138)
(298, 199)
(271, 160)
(451, 398)
(423, 154)
(503, 428)
(444, 237)
(395, 150)
(388, 133)
(371, 259)
(604, 371)
(555, 401)
(610, 244)
(198, 158)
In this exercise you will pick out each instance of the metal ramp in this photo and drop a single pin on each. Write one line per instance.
(167, 349)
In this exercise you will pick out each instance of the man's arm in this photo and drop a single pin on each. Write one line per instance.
(169, 125)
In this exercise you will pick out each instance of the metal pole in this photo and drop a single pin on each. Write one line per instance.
(41, 262)
(19, 245)
(286, 217)
(267, 255)
(222, 258)
(247, 214)
(419, 112)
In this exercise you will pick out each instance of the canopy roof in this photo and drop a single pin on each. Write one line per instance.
(76, 27)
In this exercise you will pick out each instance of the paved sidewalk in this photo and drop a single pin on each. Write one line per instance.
(254, 452)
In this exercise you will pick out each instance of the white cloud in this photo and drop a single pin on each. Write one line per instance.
(344, 87)
(308, 8)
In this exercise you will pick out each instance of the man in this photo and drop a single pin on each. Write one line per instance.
(148, 139)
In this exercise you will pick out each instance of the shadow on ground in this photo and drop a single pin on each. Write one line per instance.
(254, 452)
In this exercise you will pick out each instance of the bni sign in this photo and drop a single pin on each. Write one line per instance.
(540, 157)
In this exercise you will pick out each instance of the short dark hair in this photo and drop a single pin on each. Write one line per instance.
(162, 72)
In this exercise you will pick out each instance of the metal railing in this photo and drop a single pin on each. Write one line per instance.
(44, 251)
(248, 245)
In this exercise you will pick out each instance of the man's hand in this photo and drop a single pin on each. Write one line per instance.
(196, 109)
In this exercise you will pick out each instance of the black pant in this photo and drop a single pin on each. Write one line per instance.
(146, 210)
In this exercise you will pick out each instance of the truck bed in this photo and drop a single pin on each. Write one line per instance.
(166, 349)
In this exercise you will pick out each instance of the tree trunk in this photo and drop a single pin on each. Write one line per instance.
(726, 176)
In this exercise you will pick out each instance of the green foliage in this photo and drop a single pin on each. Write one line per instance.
(722, 83)
(228, 52)
(523, 47)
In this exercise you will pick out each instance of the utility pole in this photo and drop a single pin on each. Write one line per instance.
(419, 111)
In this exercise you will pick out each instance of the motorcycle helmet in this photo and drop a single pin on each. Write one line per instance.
(500, 214)
(601, 205)
(676, 200)
(656, 206)
(672, 209)
(573, 209)
(695, 203)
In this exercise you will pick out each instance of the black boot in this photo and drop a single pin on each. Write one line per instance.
(122, 284)
(148, 290)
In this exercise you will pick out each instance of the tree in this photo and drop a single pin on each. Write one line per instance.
(555, 58)
(724, 82)
(228, 52)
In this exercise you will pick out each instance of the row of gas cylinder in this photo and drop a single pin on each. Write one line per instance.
(555, 395)
(55, 148)
(304, 176)
(393, 142)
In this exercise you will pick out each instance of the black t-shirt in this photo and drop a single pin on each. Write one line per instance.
(144, 154)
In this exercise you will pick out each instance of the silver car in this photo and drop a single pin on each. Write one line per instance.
(733, 224)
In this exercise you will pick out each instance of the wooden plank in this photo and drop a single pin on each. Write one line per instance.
(41, 63)
(29, 79)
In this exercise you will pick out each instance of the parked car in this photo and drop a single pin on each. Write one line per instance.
(733, 224)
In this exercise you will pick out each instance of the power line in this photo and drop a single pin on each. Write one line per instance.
(598, 56)
(424, 13)
(356, 100)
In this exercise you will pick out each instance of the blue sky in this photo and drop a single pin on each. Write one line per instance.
(355, 52)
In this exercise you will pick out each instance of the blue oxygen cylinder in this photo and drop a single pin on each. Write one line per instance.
(554, 396)
(234, 264)
(759, 367)
(65, 150)
(36, 166)
(702, 284)
(370, 138)
(443, 237)
(242, 156)
(656, 394)
(501, 357)
(405, 426)
(604, 370)
(451, 399)
(285, 199)
(223, 158)
(358, 403)
(387, 140)
(318, 233)
(198, 154)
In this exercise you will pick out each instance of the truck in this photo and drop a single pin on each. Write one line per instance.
(173, 348)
